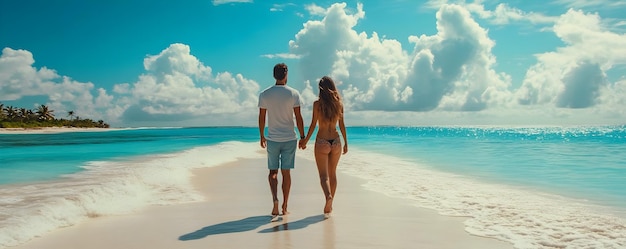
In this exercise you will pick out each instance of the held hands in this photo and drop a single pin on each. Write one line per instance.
(302, 143)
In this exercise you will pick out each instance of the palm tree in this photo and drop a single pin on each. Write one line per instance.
(30, 115)
(44, 113)
(70, 114)
(22, 114)
(11, 113)
(2, 113)
(102, 124)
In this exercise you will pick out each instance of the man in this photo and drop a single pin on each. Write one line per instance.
(280, 103)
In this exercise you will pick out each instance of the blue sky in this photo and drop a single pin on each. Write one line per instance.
(200, 63)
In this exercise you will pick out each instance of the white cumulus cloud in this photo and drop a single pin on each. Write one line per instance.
(453, 71)
(450, 70)
(19, 78)
(575, 75)
(220, 2)
(177, 86)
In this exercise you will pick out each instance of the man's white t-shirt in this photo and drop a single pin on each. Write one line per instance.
(279, 101)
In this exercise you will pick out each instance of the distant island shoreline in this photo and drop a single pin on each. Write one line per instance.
(46, 130)
(42, 119)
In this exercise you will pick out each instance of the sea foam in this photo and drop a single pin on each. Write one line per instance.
(524, 217)
(108, 188)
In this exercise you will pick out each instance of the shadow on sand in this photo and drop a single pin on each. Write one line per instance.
(236, 226)
(299, 224)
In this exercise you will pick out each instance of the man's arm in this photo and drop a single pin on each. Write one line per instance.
(299, 121)
(262, 113)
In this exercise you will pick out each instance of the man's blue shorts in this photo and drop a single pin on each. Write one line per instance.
(281, 154)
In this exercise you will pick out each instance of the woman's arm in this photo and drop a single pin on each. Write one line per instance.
(313, 123)
(342, 127)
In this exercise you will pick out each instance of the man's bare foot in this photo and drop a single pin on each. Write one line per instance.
(329, 205)
(285, 212)
(275, 209)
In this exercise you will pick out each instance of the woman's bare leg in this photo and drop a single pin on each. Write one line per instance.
(333, 161)
(321, 159)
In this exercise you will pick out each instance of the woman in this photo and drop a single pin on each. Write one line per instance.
(327, 111)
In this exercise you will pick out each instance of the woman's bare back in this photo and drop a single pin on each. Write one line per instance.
(327, 129)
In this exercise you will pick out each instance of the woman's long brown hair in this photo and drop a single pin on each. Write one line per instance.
(330, 105)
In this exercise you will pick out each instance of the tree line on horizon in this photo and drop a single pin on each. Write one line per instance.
(42, 116)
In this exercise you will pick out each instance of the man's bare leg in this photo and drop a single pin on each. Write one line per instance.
(273, 180)
(286, 188)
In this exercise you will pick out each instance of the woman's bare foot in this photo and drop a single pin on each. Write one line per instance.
(285, 212)
(329, 205)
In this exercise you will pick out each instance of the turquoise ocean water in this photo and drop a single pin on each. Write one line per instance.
(536, 187)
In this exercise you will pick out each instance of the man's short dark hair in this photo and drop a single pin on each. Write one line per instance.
(280, 71)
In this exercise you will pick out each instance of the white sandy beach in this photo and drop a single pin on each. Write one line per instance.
(236, 215)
